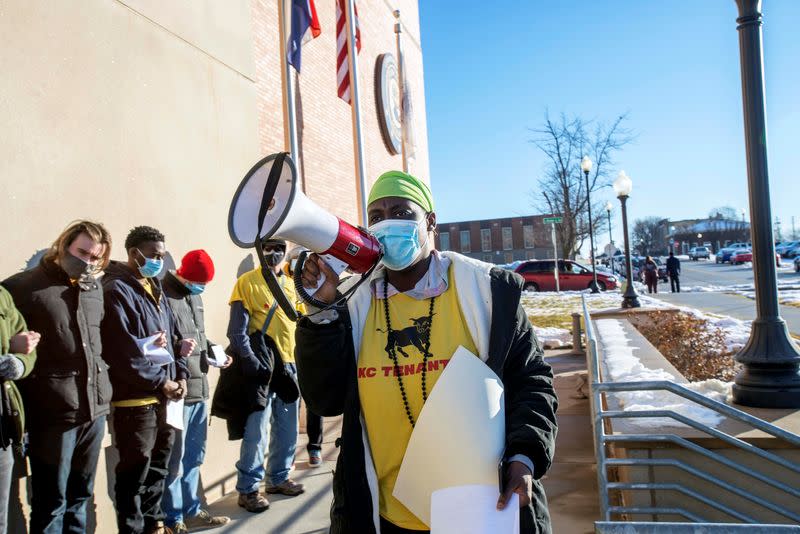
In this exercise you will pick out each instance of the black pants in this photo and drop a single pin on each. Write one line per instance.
(144, 441)
(314, 430)
(391, 528)
(63, 466)
(675, 283)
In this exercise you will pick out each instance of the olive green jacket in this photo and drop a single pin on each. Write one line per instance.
(12, 411)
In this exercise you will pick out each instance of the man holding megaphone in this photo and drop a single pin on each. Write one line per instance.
(419, 306)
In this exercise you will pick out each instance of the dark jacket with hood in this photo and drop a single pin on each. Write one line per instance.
(131, 315)
(188, 312)
(70, 384)
(490, 301)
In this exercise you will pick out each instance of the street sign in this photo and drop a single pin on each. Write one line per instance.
(552, 219)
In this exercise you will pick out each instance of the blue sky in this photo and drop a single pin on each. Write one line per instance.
(490, 75)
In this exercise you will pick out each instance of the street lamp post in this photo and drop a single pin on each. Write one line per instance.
(586, 166)
(770, 377)
(610, 239)
(622, 188)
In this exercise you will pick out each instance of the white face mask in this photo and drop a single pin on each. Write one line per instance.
(400, 241)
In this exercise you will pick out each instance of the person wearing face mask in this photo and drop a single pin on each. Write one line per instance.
(183, 289)
(266, 418)
(135, 311)
(437, 301)
(69, 390)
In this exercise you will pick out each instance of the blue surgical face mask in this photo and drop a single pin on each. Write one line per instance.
(400, 242)
(194, 289)
(151, 267)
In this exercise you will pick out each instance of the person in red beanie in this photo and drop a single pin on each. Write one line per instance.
(181, 501)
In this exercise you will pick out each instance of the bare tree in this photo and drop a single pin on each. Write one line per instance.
(645, 235)
(562, 187)
(726, 213)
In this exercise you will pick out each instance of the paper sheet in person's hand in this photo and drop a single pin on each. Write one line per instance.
(217, 357)
(175, 414)
(459, 436)
(473, 510)
(156, 355)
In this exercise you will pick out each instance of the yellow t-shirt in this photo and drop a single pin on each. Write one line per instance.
(252, 291)
(388, 427)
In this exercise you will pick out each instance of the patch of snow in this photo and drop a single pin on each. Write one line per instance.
(553, 338)
(624, 366)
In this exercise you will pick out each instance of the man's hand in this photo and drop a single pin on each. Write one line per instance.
(182, 389)
(187, 347)
(313, 269)
(519, 480)
(170, 390)
(24, 342)
(161, 340)
(228, 361)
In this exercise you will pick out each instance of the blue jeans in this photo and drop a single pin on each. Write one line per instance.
(182, 496)
(63, 466)
(279, 419)
(6, 468)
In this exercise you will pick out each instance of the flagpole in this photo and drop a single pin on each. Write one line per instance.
(289, 101)
(402, 82)
(355, 104)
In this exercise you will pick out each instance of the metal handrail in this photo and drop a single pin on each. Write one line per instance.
(600, 415)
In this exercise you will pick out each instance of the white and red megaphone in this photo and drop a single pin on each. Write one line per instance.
(269, 205)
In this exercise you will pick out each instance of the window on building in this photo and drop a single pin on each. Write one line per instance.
(509, 257)
(488, 258)
(508, 243)
(465, 241)
(527, 235)
(530, 255)
(486, 240)
(444, 241)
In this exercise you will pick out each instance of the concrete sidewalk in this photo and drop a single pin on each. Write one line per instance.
(737, 306)
(571, 483)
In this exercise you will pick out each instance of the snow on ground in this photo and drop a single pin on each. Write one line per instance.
(552, 337)
(624, 366)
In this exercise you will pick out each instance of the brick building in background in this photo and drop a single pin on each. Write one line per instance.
(498, 241)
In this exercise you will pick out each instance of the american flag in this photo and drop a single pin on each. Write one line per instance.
(342, 65)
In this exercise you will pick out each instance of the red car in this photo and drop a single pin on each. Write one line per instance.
(572, 276)
(743, 256)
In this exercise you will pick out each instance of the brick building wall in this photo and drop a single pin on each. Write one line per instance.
(324, 120)
(498, 240)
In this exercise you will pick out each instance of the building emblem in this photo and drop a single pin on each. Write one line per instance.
(387, 95)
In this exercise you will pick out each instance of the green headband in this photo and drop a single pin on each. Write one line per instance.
(403, 185)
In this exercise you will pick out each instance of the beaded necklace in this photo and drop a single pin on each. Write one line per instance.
(392, 349)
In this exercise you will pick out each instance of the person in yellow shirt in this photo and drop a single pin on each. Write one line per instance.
(377, 361)
(253, 309)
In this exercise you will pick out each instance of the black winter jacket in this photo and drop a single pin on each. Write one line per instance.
(673, 265)
(70, 383)
(326, 362)
(188, 312)
(130, 315)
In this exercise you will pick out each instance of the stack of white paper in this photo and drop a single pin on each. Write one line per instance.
(472, 510)
(156, 355)
(217, 357)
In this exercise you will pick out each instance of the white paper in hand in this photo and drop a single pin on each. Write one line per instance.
(217, 358)
(156, 355)
(472, 510)
(175, 414)
(459, 436)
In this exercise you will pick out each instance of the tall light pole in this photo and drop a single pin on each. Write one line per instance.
(622, 187)
(586, 166)
(770, 377)
(610, 239)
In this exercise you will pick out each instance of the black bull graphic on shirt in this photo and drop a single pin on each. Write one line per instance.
(418, 335)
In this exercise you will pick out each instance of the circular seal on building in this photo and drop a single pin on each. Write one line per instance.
(387, 94)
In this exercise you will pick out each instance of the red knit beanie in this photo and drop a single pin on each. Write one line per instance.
(196, 266)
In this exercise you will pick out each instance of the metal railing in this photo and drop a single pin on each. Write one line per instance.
(601, 415)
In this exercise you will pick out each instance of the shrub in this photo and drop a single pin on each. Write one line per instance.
(696, 348)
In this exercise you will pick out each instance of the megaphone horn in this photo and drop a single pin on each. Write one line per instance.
(268, 204)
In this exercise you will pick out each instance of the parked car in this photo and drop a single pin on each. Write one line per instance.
(791, 253)
(725, 253)
(696, 253)
(539, 276)
(638, 269)
(785, 246)
(745, 256)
